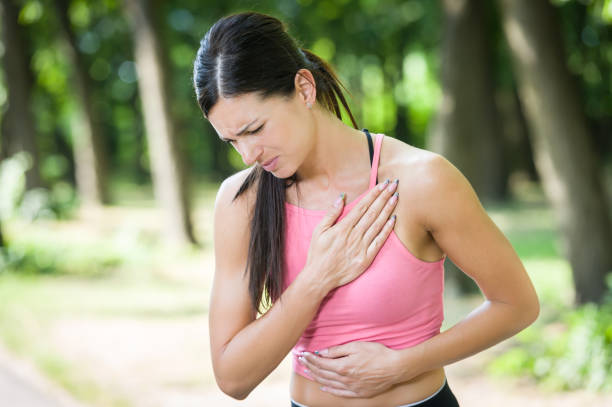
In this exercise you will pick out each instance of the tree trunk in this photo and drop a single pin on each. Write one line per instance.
(87, 135)
(561, 142)
(169, 181)
(518, 152)
(18, 132)
(402, 130)
(468, 129)
(525, 150)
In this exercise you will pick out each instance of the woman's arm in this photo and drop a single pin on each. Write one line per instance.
(450, 210)
(246, 350)
(464, 231)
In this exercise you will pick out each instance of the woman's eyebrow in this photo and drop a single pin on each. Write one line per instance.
(241, 131)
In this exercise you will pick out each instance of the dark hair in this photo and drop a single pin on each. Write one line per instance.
(252, 52)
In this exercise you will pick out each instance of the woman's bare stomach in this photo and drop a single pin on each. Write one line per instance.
(308, 392)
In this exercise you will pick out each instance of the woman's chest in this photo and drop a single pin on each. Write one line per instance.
(395, 284)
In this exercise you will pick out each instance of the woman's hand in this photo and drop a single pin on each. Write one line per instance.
(341, 251)
(356, 369)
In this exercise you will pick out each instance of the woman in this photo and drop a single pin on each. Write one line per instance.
(354, 289)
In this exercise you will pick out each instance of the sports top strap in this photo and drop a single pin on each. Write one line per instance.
(374, 157)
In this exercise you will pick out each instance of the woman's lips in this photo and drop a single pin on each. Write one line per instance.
(271, 165)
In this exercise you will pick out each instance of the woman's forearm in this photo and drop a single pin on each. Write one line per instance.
(487, 325)
(255, 351)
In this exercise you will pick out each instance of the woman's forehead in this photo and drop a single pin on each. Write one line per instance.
(231, 115)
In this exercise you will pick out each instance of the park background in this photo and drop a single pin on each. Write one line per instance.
(108, 175)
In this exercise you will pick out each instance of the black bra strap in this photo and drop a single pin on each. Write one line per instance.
(371, 148)
(370, 145)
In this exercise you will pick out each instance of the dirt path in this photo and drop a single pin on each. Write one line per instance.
(471, 387)
(21, 385)
(167, 363)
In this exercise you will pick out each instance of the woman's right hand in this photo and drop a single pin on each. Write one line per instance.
(340, 252)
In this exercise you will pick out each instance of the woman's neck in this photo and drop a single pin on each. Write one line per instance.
(339, 155)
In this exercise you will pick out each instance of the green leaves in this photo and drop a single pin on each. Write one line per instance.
(572, 354)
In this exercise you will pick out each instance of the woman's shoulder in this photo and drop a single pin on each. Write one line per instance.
(429, 183)
(411, 162)
(227, 196)
(424, 175)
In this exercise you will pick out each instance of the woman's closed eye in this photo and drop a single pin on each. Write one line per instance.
(256, 130)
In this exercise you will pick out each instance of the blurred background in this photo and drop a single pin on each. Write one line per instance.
(108, 175)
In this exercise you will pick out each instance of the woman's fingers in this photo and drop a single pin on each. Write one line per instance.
(374, 210)
(351, 219)
(374, 230)
(378, 241)
(332, 213)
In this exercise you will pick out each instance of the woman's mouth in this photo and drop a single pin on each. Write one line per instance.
(271, 165)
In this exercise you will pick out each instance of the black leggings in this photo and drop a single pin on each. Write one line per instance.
(443, 398)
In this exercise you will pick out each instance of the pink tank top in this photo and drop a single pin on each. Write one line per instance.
(397, 301)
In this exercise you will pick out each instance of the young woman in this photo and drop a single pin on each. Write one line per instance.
(353, 292)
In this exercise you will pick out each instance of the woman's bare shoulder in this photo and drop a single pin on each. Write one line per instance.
(231, 225)
(408, 161)
(433, 186)
(426, 178)
(226, 195)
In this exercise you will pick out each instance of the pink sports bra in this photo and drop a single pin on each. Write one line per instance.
(397, 301)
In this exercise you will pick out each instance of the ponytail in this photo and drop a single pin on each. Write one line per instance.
(328, 86)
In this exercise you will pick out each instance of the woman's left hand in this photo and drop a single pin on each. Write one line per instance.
(355, 369)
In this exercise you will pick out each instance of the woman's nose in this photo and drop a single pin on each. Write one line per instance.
(249, 153)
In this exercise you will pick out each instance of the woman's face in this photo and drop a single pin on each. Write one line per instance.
(261, 130)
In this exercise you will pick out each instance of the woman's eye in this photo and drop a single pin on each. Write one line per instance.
(248, 132)
(256, 130)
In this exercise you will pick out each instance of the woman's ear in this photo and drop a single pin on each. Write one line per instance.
(306, 87)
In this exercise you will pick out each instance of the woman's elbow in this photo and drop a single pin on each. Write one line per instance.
(234, 389)
(230, 378)
(531, 311)
(536, 310)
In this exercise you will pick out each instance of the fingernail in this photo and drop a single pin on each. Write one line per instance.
(316, 352)
(383, 185)
(394, 197)
(339, 200)
(396, 181)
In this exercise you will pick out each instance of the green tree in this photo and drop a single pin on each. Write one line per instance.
(87, 134)
(18, 132)
(562, 143)
(468, 130)
(169, 177)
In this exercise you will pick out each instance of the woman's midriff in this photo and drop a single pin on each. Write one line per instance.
(308, 392)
